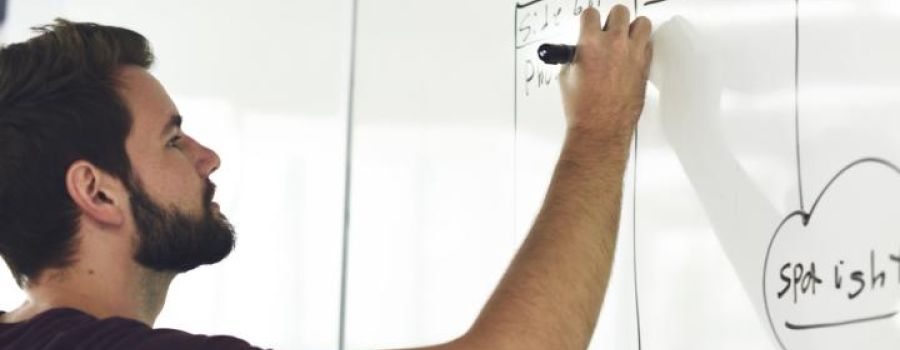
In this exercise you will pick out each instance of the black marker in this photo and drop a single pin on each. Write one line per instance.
(556, 54)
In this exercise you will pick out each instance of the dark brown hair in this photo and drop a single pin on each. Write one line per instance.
(58, 104)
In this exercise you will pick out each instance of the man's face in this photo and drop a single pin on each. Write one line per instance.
(179, 226)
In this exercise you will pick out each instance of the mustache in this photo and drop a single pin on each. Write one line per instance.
(209, 192)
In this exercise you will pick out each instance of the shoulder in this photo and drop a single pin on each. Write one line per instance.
(73, 329)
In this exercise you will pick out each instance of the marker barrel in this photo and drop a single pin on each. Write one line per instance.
(556, 53)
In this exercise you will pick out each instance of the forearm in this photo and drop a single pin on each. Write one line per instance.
(552, 292)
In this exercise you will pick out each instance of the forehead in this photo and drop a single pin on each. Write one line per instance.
(146, 99)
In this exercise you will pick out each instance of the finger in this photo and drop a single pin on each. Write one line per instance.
(618, 19)
(590, 22)
(640, 30)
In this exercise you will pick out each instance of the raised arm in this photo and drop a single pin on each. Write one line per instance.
(551, 294)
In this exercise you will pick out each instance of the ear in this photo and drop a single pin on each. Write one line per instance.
(100, 197)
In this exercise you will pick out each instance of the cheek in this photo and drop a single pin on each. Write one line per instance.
(173, 180)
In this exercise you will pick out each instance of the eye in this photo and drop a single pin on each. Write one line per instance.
(174, 142)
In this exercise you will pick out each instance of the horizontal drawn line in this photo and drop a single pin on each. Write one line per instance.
(801, 327)
(651, 2)
(532, 2)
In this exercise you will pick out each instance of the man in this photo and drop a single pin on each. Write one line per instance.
(104, 199)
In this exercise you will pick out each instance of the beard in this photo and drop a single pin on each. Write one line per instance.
(173, 241)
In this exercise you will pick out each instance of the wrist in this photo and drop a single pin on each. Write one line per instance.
(591, 146)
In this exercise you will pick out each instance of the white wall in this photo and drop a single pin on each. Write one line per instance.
(433, 191)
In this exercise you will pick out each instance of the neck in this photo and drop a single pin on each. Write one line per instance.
(154, 289)
(105, 285)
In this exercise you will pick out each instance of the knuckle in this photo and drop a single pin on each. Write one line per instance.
(619, 42)
(643, 21)
(640, 28)
(617, 31)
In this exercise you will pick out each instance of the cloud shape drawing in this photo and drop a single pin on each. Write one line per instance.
(831, 278)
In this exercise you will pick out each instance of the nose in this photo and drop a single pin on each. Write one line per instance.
(207, 161)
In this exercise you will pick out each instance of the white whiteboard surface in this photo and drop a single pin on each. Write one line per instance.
(749, 100)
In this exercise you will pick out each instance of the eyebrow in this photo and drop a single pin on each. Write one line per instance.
(174, 122)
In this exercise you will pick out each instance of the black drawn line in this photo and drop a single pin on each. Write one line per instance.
(765, 272)
(805, 218)
(521, 6)
(515, 123)
(797, 99)
(637, 304)
(801, 327)
(651, 2)
(812, 209)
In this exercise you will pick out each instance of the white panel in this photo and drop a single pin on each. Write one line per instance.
(432, 192)
(723, 233)
(716, 167)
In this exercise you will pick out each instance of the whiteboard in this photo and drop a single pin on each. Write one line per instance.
(765, 172)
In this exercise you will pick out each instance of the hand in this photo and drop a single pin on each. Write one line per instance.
(603, 89)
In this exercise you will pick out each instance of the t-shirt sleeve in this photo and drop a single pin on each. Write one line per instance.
(121, 333)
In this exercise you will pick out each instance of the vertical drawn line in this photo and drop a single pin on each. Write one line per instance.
(634, 264)
(515, 126)
(345, 245)
(637, 304)
(797, 100)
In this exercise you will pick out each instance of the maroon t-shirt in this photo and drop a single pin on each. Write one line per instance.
(70, 329)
